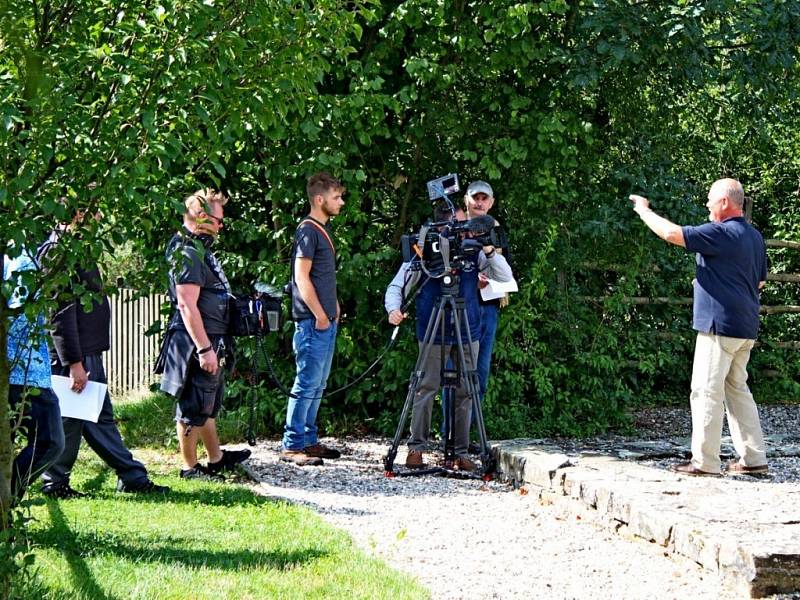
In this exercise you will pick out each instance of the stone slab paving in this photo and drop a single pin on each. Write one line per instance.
(745, 529)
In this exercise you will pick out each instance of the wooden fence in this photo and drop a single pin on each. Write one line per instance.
(765, 309)
(129, 362)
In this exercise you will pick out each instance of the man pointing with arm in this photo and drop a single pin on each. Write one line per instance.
(731, 269)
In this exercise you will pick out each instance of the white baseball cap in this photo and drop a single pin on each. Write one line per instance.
(480, 187)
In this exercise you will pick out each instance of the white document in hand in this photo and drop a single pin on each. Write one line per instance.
(498, 289)
(86, 405)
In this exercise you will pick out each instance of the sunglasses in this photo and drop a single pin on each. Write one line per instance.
(218, 220)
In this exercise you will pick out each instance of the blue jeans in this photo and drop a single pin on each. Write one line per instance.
(313, 351)
(489, 314)
(44, 436)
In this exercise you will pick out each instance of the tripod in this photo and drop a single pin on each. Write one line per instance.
(449, 303)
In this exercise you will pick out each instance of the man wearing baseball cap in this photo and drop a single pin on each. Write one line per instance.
(478, 201)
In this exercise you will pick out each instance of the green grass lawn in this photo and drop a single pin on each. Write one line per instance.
(203, 540)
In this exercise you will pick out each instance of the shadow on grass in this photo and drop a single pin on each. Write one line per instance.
(82, 576)
(148, 421)
(75, 546)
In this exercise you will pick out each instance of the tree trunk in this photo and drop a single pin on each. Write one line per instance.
(6, 446)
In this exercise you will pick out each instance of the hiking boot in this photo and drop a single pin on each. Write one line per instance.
(196, 472)
(230, 458)
(141, 487)
(61, 491)
(414, 460)
(322, 451)
(737, 468)
(463, 463)
(300, 458)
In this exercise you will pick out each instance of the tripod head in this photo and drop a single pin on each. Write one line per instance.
(451, 284)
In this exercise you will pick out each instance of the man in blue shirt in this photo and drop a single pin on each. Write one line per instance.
(30, 384)
(731, 270)
(494, 265)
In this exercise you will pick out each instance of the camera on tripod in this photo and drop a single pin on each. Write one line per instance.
(447, 243)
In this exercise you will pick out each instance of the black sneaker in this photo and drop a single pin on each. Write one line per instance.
(61, 491)
(196, 472)
(141, 487)
(230, 458)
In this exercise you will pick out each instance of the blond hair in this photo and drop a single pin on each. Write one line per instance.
(202, 199)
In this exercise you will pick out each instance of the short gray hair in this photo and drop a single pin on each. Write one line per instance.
(732, 190)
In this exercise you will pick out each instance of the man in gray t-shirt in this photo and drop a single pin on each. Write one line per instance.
(312, 241)
(315, 310)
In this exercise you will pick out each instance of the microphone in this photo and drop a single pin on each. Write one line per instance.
(479, 226)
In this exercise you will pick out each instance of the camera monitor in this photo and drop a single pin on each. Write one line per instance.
(441, 187)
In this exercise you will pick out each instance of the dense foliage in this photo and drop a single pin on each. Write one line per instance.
(565, 107)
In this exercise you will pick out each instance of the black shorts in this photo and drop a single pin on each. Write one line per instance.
(202, 394)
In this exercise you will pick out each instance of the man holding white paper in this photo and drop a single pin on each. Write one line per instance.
(478, 201)
(79, 337)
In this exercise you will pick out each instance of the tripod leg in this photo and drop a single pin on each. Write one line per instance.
(413, 387)
(388, 460)
(468, 358)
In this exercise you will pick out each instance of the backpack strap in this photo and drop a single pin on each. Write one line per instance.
(321, 230)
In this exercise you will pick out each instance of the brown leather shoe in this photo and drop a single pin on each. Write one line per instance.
(464, 464)
(322, 451)
(737, 468)
(414, 460)
(688, 468)
(300, 458)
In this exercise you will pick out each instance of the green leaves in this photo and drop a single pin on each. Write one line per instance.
(565, 108)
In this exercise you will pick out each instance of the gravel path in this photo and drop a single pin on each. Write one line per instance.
(476, 540)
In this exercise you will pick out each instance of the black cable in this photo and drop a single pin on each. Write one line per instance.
(367, 371)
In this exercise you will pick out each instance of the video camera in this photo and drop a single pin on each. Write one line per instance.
(445, 243)
(258, 313)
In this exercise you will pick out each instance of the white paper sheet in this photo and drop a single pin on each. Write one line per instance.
(86, 405)
(498, 289)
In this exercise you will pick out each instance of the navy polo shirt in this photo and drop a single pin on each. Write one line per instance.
(731, 260)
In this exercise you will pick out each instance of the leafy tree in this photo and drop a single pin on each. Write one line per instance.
(125, 107)
(566, 107)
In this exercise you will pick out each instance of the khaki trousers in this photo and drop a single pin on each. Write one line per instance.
(719, 384)
(429, 386)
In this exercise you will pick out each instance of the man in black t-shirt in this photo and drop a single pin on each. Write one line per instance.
(197, 335)
(315, 310)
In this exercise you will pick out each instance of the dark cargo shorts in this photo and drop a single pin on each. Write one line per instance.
(201, 398)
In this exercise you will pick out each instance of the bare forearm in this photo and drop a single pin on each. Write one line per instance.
(663, 228)
(309, 295)
(193, 321)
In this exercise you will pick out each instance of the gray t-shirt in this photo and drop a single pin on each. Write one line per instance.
(190, 264)
(310, 242)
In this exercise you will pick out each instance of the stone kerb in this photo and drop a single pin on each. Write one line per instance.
(748, 532)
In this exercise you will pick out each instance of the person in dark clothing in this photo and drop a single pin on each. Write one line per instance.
(197, 343)
(79, 337)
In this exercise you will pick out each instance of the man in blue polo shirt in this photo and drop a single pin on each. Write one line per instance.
(731, 270)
